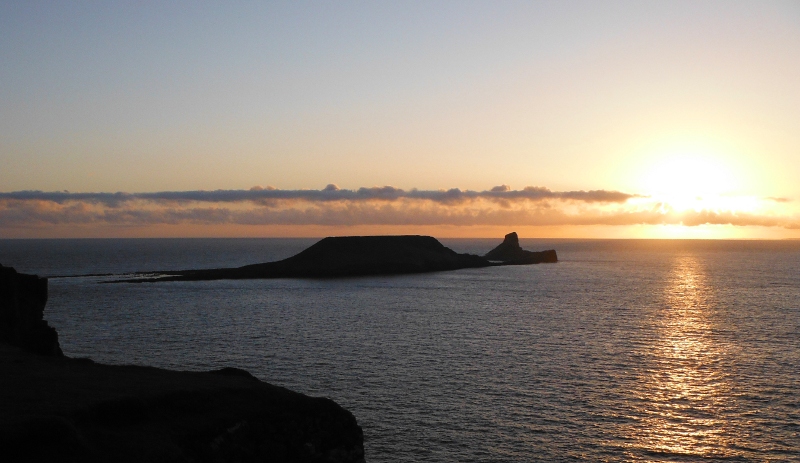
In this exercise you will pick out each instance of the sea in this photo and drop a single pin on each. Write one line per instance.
(624, 350)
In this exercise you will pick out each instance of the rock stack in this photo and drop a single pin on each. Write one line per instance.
(509, 252)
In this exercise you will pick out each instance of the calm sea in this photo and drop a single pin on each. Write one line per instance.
(623, 351)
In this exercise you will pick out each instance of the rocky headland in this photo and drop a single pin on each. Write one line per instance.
(349, 256)
(54, 408)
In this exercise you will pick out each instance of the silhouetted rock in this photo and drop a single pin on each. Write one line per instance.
(22, 301)
(348, 256)
(509, 252)
(57, 409)
(62, 409)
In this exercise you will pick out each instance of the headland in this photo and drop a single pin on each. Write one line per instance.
(350, 256)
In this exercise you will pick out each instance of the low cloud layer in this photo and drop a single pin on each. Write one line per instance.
(331, 193)
(332, 206)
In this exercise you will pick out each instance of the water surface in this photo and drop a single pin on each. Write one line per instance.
(623, 351)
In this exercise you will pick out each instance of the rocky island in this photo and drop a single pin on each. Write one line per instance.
(54, 408)
(509, 252)
(348, 256)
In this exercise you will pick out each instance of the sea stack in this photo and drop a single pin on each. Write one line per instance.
(509, 252)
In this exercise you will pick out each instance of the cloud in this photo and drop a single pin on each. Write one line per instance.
(778, 199)
(334, 206)
(330, 193)
(501, 206)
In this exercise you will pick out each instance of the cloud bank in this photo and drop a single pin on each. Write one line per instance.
(330, 193)
(333, 206)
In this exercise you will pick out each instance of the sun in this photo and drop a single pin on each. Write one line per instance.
(691, 176)
(704, 193)
(690, 180)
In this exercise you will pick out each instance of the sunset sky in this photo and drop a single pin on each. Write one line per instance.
(554, 119)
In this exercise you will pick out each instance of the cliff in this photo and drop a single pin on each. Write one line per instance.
(348, 256)
(54, 408)
(22, 301)
(509, 252)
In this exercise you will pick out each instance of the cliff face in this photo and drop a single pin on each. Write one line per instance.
(22, 301)
(509, 252)
(54, 408)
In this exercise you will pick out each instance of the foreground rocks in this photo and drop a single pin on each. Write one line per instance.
(54, 408)
(61, 409)
(348, 256)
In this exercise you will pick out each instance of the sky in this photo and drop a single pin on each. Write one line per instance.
(576, 119)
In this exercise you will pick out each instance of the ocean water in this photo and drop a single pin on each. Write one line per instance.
(623, 351)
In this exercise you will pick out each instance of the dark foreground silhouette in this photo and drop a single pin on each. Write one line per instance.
(348, 256)
(55, 408)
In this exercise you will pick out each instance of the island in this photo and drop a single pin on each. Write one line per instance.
(349, 256)
(59, 409)
(509, 252)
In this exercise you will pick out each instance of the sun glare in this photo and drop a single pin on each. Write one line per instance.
(698, 192)
(684, 181)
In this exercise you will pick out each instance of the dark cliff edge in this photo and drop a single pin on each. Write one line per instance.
(22, 301)
(509, 252)
(55, 408)
(349, 256)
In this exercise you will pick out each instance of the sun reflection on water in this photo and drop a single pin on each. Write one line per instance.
(684, 387)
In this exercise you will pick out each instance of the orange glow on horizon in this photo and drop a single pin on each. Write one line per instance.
(315, 231)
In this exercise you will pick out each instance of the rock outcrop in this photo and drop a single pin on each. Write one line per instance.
(509, 252)
(22, 301)
(348, 256)
(57, 409)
